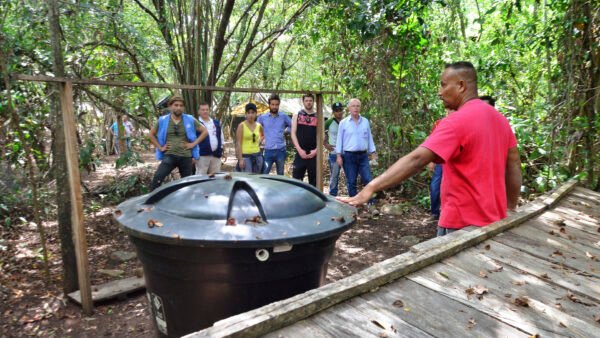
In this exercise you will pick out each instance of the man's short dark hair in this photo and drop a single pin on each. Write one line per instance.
(466, 68)
(273, 97)
(203, 103)
(174, 99)
(460, 65)
(490, 100)
(308, 95)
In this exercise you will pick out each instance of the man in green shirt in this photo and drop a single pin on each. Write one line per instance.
(176, 137)
(331, 131)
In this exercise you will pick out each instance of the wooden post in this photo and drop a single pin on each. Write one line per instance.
(320, 136)
(66, 103)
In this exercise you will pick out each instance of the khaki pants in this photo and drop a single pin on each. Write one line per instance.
(207, 165)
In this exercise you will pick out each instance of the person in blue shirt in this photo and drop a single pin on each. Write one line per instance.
(353, 146)
(176, 137)
(275, 124)
(124, 134)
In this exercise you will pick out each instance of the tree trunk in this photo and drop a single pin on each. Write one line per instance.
(63, 199)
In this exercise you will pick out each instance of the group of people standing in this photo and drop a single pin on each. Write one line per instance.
(349, 142)
(196, 145)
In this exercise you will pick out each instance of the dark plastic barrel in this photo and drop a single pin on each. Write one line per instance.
(215, 247)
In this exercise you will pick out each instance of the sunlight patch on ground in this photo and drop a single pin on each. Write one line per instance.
(349, 248)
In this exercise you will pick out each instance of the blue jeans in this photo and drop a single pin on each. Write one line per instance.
(356, 164)
(274, 156)
(253, 163)
(434, 193)
(334, 168)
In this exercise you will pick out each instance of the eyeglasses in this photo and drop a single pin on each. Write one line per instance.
(176, 129)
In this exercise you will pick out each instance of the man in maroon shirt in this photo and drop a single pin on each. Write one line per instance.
(482, 169)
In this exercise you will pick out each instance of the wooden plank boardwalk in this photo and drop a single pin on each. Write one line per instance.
(535, 273)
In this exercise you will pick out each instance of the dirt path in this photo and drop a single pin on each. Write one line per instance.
(30, 308)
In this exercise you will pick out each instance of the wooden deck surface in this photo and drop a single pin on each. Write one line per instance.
(540, 274)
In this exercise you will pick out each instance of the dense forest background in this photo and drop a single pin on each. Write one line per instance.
(539, 58)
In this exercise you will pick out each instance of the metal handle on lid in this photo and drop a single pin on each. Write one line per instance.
(242, 185)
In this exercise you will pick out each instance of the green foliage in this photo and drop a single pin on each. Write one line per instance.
(128, 158)
(121, 188)
(88, 156)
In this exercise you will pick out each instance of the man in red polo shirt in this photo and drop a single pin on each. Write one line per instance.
(482, 169)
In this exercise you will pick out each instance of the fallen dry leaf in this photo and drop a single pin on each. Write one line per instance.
(443, 274)
(374, 321)
(338, 219)
(255, 220)
(558, 306)
(508, 295)
(482, 274)
(560, 222)
(471, 323)
(545, 276)
(154, 223)
(227, 177)
(551, 232)
(521, 301)
(487, 247)
(574, 299)
(497, 269)
(534, 336)
(518, 282)
(145, 209)
(118, 213)
(590, 256)
(562, 324)
(563, 231)
(476, 290)
(231, 221)
(557, 253)
(398, 303)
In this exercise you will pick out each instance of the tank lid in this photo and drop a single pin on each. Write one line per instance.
(234, 210)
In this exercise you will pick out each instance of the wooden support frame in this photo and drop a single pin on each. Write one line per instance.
(72, 154)
(320, 136)
(66, 102)
(95, 82)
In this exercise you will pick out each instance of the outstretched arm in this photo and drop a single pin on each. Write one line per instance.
(404, 168)
(513, 178)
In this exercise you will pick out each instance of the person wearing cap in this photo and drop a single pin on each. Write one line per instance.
(176, 137)
(249, 135)
(211, 148)
(304, 137)
(331, 132)
(353, 146)
(475, 192)
(275, 124)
